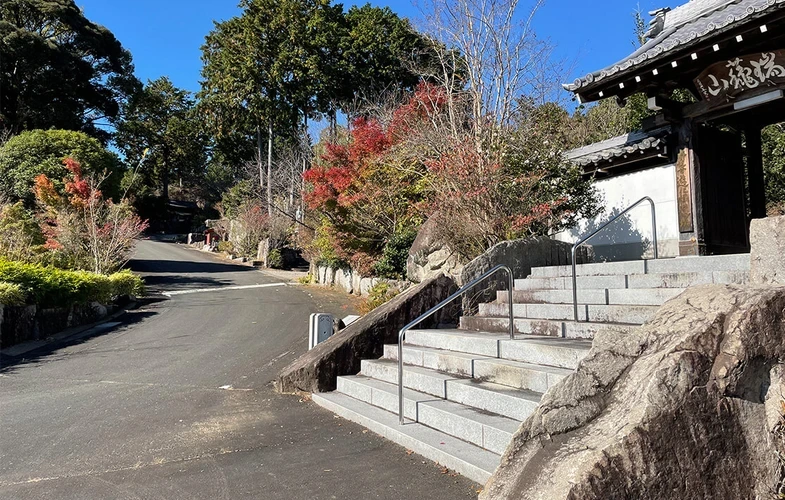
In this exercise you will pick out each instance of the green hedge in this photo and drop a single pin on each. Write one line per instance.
(11, 294)
(51, 287)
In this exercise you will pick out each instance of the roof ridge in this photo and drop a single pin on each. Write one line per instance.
(702, 13)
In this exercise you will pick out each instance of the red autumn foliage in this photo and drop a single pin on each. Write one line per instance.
(335, 183)
(427, 101)
(77, 186)
(84, 230)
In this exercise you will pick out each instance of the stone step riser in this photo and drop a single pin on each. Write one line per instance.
(453, 390)
(658, 280)
(466, 459)
(546, 328)
(488, 370)
(637, 296)
(561, 283)
(463, 424)
(678, 265)
(586, 312)
(522, 350)
(684, 280)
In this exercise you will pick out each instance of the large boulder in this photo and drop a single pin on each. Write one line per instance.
(688, 406)
(767, 254)
(430, 255)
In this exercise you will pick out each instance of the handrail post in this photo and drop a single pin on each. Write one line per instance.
(654, 228)
(574, 283)
(440, 306)
(510, 286)
(583, 240)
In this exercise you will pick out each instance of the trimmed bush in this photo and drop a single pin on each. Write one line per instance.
(126, 283)
(51, 287)
(11, 294)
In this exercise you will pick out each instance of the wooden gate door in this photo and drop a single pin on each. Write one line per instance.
(722, 190)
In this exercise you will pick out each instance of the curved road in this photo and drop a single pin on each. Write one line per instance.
(175, 402)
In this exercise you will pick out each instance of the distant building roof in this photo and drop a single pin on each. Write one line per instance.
(681, 28)
(628, 144)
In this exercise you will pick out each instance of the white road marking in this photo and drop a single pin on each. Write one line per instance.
(222, 289)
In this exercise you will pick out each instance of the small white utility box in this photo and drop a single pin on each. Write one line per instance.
(321, 329)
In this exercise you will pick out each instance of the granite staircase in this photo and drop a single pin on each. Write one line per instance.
(468, 389)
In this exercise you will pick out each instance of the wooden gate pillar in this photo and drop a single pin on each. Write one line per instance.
(688, 183)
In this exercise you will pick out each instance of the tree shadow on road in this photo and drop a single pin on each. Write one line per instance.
(49, 352)
(184, 267)
(170, 275)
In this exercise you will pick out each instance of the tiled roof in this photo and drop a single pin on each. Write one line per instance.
(684, 26)
(634, 142)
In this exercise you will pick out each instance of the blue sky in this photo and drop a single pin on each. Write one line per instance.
(165, 36)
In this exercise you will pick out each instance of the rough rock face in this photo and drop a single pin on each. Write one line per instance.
(430, 256)
(767, 255)
(688, 406)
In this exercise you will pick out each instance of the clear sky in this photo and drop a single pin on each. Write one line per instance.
(165, 36)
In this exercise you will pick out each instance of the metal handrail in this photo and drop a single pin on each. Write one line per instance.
(438, 308)
(600, 229)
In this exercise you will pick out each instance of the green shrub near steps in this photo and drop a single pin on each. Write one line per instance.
(51, 287)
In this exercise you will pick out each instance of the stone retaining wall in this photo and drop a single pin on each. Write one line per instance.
(26, 323)
(350, 281)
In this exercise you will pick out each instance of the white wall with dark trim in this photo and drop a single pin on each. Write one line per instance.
(626, 239)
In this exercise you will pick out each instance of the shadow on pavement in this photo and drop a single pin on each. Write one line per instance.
(184, 267)
(9, 364)
(159, 283)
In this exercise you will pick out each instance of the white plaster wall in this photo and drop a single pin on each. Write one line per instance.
(619, 192)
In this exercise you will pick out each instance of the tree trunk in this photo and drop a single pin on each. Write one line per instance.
(165, 176)
(259, 162)
(269, 168)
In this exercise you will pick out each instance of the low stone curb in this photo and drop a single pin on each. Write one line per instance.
(67, 334)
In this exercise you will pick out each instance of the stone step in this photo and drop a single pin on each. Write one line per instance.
(629, 314)
(543, 327)
(533, 349)
(513, 403)
(612, 296)
(564, 283)
(515, 374)
(486, 430)
(465, 458)
(652, 280)
(738, 262)
(687, 279)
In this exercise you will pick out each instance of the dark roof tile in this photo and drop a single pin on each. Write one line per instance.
(684, 25)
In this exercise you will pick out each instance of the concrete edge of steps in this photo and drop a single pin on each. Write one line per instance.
(737, 262)
(594, 296)
(465, 458)
(535, 349)
(514, 374)
(486, 430)
(517, 404)
(628, 314)
(544, 327)
(634, 281)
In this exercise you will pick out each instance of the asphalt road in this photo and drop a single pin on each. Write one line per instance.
(176, 402)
